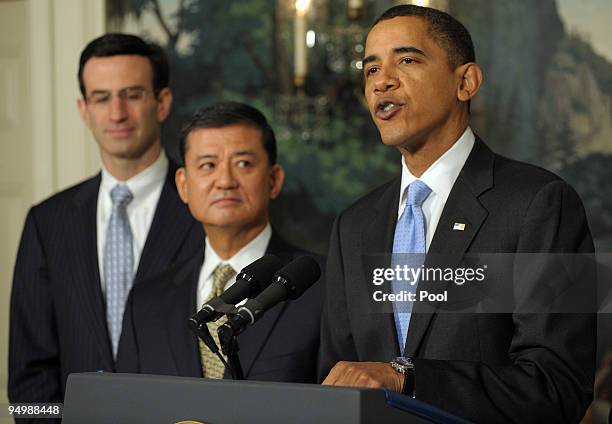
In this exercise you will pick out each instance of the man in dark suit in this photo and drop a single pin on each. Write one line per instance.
(229, 177)
(455, 197)
(67, 272)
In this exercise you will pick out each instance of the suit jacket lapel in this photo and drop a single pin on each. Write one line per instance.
(84, 258)
(377, 238)
(179, 305)
(168, 231)
(462, 206)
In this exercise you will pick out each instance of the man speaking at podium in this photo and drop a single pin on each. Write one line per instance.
(455, 196)
(229, 177)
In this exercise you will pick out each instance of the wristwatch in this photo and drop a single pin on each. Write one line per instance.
(405, 366)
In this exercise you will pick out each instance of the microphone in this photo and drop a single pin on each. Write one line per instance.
(289, 282)
(251, 281)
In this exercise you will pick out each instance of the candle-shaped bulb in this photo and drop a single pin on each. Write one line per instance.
(300, 58)
(301, 6)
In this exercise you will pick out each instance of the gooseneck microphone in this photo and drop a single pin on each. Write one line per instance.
(288, 283)
(251, 281)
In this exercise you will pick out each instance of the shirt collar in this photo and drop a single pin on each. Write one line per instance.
(141, 183)
(249, 253)
(443, 173)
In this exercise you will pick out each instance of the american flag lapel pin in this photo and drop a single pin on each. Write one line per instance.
(458, 226)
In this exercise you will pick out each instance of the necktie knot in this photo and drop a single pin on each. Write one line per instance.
(417, 193)
(221, 275)
(121, 195)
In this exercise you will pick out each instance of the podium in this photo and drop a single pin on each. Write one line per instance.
(138, 398)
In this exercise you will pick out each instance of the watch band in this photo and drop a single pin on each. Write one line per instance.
(405, 366)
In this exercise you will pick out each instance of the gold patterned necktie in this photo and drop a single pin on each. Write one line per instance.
(212, 367)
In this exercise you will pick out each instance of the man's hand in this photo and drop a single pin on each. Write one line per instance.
(365, 374)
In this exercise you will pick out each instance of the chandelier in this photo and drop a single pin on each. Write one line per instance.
(322, 38)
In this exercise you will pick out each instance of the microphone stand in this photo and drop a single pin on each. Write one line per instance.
(227, 339)
(202, 332)
(229, 346)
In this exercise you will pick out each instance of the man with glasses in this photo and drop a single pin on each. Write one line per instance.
(83, 249)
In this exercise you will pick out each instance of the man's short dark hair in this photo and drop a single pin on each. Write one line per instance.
(224, 114)
(447, 32)
(114, 44)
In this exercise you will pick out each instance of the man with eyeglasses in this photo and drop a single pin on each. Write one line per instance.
(83, 249)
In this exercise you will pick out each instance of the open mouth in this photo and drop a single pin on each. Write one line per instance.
(386, 109)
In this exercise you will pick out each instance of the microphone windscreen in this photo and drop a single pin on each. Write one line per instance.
(263, 269)
(301, 273)
(252, 279)
(275, 293)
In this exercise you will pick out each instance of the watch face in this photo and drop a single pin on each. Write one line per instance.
(404, 362)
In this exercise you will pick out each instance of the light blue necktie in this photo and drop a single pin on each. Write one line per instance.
(118, 262)
(409, 238)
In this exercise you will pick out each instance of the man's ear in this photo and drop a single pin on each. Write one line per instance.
(277, 178)
(470, 79)
(181, 184)
(82, 106)
(164, 104)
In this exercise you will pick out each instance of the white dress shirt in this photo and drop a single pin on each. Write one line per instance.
(146, 187)
(254, 250)
(440, 178)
